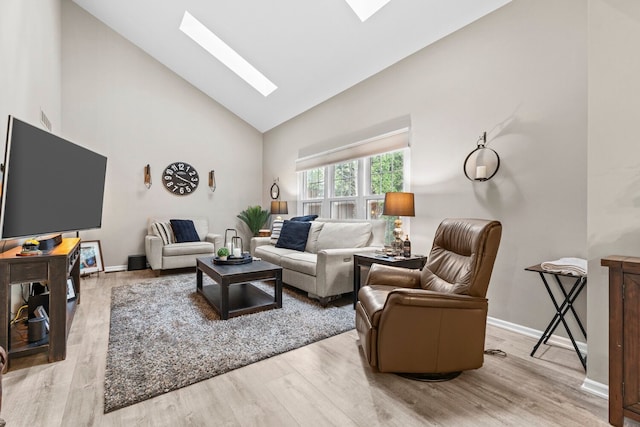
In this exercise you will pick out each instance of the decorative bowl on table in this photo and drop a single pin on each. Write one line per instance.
(30, 247)
(246, 258)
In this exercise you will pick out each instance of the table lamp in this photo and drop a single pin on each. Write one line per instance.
(279, 208)
(398, 204)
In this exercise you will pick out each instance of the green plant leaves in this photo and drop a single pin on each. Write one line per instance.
(255, 217)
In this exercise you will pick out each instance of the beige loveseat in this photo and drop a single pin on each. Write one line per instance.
(163, 256)
(325, 269)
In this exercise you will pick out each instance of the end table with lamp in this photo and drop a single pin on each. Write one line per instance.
(398, 204)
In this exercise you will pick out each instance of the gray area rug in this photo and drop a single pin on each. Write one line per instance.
(164, 336)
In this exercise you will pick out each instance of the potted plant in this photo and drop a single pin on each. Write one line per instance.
(255, 217)
(223, 253)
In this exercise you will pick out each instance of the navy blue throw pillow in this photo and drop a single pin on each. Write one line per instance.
(184, 230)
(294, 235)
(304, 218)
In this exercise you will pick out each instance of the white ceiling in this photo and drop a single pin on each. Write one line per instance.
(312, 50)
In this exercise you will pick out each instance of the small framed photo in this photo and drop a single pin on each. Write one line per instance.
(71, 290)
(90, 257)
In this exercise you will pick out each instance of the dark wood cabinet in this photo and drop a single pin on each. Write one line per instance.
(54, 268)
(624, 338)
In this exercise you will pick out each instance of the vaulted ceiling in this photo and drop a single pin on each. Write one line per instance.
(310, 50)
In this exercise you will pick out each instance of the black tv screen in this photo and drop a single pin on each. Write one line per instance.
(50, 185)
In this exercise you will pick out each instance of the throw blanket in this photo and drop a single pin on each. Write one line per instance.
(573, 266)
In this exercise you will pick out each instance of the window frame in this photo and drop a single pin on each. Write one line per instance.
(363, 186)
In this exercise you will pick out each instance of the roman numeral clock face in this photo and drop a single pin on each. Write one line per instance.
(180, 178)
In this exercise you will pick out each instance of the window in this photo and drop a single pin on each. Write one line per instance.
(387, 172)
(313, 184)
(345, 179)
(355, 188)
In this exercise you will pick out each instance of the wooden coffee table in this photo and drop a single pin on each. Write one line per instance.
(232, 294)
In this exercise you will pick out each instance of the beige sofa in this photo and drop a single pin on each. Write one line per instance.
(161, 256)
(325, 269)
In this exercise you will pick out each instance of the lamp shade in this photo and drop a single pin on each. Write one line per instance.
(279, 208)
(398, 204)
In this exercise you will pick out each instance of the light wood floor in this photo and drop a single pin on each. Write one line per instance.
(324, 384)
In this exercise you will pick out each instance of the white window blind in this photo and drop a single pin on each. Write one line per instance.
(343, 149)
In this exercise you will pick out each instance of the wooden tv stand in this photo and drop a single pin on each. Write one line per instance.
(54, 267)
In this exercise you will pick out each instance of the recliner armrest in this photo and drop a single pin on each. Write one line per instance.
(388, 275)
(347, 251)
(424, 298)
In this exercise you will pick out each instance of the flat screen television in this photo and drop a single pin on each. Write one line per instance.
(50, 185)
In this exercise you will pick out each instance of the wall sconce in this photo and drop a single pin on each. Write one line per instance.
(398, 204)
(279, 208)
(482, 163)
(212, 180)
(147, 176)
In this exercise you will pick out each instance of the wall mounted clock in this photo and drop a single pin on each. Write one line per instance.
(180, 178)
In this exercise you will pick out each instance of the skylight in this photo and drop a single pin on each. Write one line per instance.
(365, 8)
(225, 54)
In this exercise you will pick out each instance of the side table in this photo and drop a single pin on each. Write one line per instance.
(369, 258)
(264, 232)
(55, 267)
(233, 294)
(562, 309)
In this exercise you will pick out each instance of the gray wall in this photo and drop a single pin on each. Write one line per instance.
(29, 71)
(521, 75)
(30, 35)
(614, 157)
(102, 92)
(120, 102)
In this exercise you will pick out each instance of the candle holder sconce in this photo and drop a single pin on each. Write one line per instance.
(482, 163)
(147, 176)
(212, 180)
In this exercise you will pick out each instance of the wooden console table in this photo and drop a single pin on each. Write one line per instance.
(624, 338)
(54, 267)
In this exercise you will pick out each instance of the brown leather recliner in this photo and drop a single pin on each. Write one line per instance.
(430, 324)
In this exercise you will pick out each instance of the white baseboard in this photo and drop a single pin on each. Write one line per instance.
(114, 268)
(534, 333)
(595, 388)
(589, 386)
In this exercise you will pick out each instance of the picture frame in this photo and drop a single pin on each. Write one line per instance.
(71, 290)
(90, 257)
